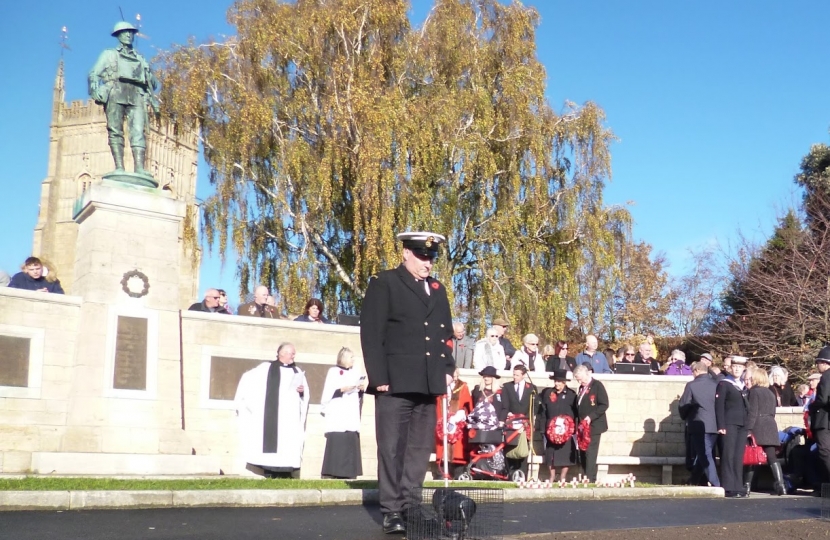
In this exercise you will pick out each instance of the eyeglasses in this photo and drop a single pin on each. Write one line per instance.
(630, 354)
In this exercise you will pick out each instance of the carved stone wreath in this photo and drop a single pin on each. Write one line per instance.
(125, 284)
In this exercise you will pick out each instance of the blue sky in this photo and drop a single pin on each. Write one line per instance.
(714, 102)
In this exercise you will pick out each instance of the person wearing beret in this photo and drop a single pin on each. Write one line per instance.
(730, 414)
(591, 405)
(405, 333)
(820, 410)
(555, 405)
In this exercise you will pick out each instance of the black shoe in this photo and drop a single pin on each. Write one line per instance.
(735, 494)
(393, 523)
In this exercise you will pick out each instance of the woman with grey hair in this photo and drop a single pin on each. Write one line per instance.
(342, 395)
(489, 351)
(784, 395)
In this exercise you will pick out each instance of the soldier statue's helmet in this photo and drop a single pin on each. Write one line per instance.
(123, 26)
(424, 244)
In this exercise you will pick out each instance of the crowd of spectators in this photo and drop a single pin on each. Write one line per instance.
(726, 411)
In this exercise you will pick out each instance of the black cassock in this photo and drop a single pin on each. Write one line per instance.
(551, 405)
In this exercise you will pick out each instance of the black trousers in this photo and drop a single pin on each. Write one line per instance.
(732, 459)
(822, 437)
(588, 458)
(405, 432)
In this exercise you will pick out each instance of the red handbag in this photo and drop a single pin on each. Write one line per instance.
(754, 454)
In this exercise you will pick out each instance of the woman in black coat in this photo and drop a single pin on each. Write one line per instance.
(559, 358)
(784, 395)
(760, 423)
(554, 402)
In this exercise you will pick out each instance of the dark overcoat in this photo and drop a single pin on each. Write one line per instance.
(697, 404)
(760, 416)
(820, 406)
(405, 334)
(593, 403)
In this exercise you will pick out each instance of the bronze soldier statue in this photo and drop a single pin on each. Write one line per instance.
(122, 82)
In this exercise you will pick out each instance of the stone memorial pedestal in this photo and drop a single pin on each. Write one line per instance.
(126, 393)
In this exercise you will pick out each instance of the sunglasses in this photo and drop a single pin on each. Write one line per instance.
(630, 354)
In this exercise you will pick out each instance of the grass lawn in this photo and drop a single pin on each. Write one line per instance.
(112, 484)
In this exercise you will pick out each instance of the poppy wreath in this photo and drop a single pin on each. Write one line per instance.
(453, 437)
(560, 429)
(583, 435)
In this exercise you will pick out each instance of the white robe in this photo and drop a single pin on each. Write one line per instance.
(250, 410)
(341, 413)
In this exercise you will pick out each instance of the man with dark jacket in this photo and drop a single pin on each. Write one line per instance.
(31, 279)
(405, 331)
(516, 398)
(820, 410)
(591, 405)
(509, 350)
(210, 304)
(697, 408)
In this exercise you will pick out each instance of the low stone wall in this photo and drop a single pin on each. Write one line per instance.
(67, 418)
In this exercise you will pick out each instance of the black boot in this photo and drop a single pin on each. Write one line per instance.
(118, 156)
(749, 472)
(138, 157)
(778, 475)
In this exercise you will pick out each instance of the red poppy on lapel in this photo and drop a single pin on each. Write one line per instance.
(434, 285)
(553, 397)
(449, 343)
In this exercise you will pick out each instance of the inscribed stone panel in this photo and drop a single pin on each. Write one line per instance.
(130, 371)
(225, 374)
(14, 361)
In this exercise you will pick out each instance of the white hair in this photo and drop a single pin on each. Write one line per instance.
(580, 370)
(677, 354)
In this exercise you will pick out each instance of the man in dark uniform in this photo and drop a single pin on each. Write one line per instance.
(591, 406)
(405, 333)
(730, 412)
(820, 410)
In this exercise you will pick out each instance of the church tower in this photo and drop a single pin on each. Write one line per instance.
(79, 156)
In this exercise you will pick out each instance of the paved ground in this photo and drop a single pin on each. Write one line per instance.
(362, 522)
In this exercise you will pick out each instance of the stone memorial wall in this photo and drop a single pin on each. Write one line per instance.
(74, 416)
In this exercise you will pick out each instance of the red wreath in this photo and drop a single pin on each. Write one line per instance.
(809, 432)
(565, 431)
(453, 437)
(583, 435)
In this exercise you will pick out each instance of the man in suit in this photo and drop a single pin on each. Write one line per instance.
(697, 408)
(405, 331)
(462, 346)
(591, 405)
(820, 410)
(517, 397)
(730, 412)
